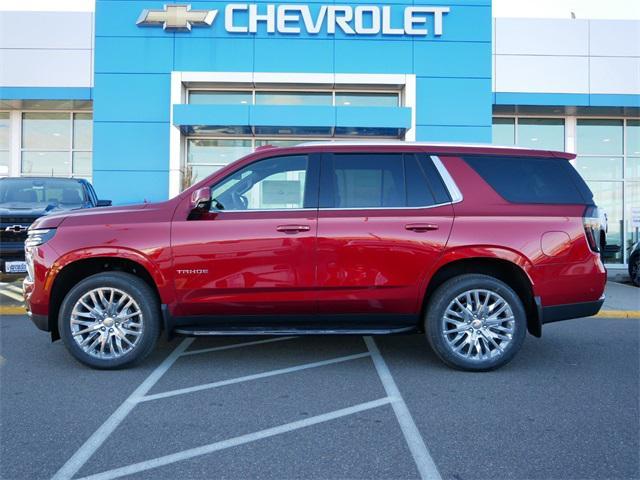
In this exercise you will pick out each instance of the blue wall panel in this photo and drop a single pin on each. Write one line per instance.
(131, 97)
(126, 186)
(452, 59)
(373, 56)
(459, 134)
(453, 101)
(220, 55)
(139, 146)
(134, 55)
(289, 55)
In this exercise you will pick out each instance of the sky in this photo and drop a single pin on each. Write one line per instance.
(609, 9)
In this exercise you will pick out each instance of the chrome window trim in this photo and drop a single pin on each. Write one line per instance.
(449, 182)
(264, 210)
(332, 209)
(387, 208)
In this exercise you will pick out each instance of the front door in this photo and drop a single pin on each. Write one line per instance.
(384, 220)
(253, 252)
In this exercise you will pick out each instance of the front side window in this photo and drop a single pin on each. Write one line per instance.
(276, 183)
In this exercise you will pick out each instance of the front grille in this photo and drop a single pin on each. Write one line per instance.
(9, 221)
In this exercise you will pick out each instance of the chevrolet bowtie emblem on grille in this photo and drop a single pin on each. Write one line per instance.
(177, 17)
(16, 228)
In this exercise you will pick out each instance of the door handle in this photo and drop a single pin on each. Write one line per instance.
(293, 228)
(421, 227)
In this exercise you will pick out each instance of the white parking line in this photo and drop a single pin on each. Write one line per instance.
(271, 373)
(233, 442)
(236, 345)
(12, 295)
(421, 455)
(94, 442)
(15, 288)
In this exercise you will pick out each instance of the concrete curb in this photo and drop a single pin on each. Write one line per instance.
(618, 314)
(12, 310)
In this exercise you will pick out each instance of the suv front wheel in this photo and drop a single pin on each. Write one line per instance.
(475, 322)
(109, 320)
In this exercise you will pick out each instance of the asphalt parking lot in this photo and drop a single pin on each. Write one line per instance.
(324, 407)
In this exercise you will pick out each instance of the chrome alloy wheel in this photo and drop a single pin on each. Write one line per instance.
(106, 323)
(478, 325)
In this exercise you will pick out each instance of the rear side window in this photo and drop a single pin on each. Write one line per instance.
(380, 180)
(532, 180)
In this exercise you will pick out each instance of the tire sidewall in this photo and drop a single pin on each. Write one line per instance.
(440, 301)
(134, 287)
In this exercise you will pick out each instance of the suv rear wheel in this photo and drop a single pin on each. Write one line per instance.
(475, 322)
(110, 320)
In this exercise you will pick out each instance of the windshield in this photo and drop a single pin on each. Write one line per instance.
(41, 193)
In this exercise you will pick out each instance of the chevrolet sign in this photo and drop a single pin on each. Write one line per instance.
(296, 19)
(177, 17)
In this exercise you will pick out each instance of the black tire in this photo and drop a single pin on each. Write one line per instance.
(447, 293)
(634, 269)
(139, 291)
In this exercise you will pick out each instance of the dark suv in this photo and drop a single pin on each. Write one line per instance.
(23, 200)
(472, 246)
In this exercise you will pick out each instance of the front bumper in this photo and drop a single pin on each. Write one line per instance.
(40, 321)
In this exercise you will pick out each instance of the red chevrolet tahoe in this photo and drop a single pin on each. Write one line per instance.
(472, 246)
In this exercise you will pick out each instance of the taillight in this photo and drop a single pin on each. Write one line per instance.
(592, 227)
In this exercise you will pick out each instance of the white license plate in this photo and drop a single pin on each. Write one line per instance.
(15, 267)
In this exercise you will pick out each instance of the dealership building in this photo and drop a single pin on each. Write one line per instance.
(145, 97)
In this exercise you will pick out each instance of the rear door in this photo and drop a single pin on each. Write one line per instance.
(383, 221)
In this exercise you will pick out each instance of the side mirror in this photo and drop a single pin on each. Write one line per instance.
(201, 198)
(103, 203)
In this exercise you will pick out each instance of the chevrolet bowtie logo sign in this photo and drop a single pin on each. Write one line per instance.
(177, 17)
(247, 18)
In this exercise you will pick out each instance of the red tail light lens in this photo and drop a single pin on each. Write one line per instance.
(592, 226)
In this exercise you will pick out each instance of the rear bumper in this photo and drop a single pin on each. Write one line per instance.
(557, 313)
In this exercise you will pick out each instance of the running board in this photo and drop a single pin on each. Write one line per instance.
(200, 332)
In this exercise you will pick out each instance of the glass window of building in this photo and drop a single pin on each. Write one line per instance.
(536, 133)
(56, 144)
(632, 169)
(294, 98)
(504, 131)
(346, 99)
(600, 161)
(5, 140)
(205, 97)
(205, 156)
(541, 133)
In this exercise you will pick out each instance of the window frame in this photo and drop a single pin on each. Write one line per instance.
(325, 160)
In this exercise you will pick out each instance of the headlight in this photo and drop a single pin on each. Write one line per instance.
(38, 237)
